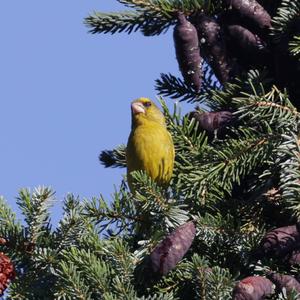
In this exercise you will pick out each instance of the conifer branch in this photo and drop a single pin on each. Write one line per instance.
(152, 5)
(283, 22)
(10, 229)
(176, 88)
(152, 17)
(169, 7)
(114, 158)
(127, 21)
(150, 23)
(271, 108)
(255, 82)
(118, 216)
(72, 225)
(290, 173)
(35, 208)
(294, 45)
(228, 163)
(169, 85)
(152, 200)
(72, 283)
(183, 131)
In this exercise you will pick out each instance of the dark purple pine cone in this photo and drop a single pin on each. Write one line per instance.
(247, 47)
(285, 281)
(212, 43)
(188, 52)
(252, 288)
(212, 121)
(246, 40)
(171, 250)
(252, 10)
(293, 258)
(279, 242)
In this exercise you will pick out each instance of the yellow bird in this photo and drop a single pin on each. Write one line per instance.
(150, 146)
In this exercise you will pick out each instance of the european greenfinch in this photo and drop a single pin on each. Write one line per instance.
(150, 146)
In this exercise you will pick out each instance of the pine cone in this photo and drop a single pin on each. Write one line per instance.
(170, 251)
(248, 41)
(252, 288)
(188, 52)
(212, 43)
(3, 241)
(7, 272)
(253, 11)
(294, 257)
(211, 121)
(248, 47)
(285, 281)
(279, 242)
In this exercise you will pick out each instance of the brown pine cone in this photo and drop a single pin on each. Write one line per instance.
(171, 250)
(214, 48)
(3, 241)
(251, 10)
(212, 121)
(252, 288)
(187, 52)
(285, 281)
(279, 242)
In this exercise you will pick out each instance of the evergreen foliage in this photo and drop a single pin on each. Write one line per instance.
(234, 189)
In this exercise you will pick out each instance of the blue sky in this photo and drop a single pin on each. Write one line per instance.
(65, 94)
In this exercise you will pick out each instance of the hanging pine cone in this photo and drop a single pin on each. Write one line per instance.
(279, 242)
(252, 288)
(170, 251)
(212, 121)
(248, 47)
(213, 45)
(188, 52)
(285, 281)
(293, 258)
(253, 11)
(7, 272)
(247, 40)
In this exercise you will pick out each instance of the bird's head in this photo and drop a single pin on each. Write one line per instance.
(144, 110)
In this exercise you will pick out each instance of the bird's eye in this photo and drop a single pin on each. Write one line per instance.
(147, 104)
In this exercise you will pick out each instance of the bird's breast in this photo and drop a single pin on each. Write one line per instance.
(150, 148)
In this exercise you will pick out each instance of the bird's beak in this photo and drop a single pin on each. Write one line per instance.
(137, 108)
